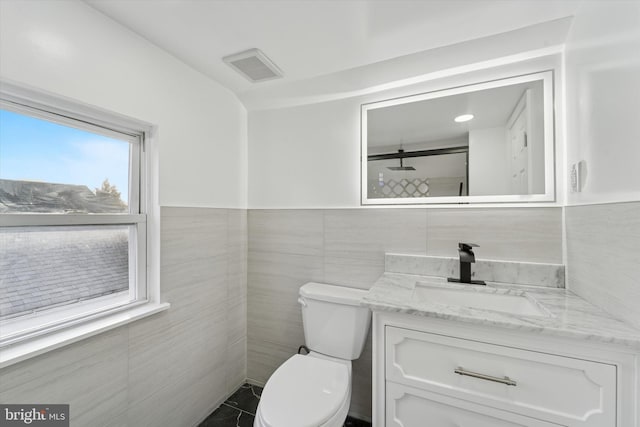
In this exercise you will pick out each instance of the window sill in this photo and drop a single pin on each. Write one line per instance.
(24, 350)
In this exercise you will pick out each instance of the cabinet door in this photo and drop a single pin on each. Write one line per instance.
(411, 407)
(559, 389)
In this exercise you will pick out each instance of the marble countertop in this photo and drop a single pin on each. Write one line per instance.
(568, 314)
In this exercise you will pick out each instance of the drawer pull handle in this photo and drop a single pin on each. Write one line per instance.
(505, 380)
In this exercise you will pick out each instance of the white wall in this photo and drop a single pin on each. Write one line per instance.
(68, 48)
(488, 166)
(308, 156)
(305, 156)
(175, 367)
(603, 116)
(603, 100)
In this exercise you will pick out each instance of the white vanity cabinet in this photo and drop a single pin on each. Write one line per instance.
(408, 406)
(437, 373)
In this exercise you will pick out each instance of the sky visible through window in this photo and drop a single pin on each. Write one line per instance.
(32, 149)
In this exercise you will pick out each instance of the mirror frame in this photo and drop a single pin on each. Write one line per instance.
(549, 144)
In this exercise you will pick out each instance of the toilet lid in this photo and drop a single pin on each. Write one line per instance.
(304, 391)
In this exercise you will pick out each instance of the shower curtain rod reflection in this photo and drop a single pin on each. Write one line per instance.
(419, 153)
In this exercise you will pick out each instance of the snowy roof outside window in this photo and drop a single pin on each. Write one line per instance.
(42, 267)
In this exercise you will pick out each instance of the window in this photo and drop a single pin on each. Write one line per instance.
(73, 215)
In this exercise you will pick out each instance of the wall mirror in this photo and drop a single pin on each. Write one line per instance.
(490, 142)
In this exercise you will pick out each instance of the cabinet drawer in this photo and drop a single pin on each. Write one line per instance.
(411, 407)
(563, 390)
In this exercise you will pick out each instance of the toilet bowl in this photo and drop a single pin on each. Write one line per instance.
(315, 390)
(306, 391)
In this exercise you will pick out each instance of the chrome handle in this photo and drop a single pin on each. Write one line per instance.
(302, 302)
(505, 380)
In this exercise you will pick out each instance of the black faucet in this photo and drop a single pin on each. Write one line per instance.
(466, 258)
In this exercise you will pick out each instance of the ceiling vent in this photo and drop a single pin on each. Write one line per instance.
(254, 65)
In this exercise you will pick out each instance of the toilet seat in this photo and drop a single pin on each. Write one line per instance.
(306, 391)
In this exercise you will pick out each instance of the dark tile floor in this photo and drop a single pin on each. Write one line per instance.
(240, 409)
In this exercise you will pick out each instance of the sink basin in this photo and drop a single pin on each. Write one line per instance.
(479, 298)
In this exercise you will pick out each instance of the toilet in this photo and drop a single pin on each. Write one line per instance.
(314, 390)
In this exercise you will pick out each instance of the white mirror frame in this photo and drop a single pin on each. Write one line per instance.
(549, 145)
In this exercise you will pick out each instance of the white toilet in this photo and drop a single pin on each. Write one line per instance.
(315, 390)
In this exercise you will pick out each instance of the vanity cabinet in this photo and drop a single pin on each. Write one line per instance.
(433, 372)
(409, 406)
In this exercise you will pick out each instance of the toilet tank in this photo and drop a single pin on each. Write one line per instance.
(335, 324)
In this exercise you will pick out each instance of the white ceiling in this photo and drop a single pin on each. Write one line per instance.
(313, 38)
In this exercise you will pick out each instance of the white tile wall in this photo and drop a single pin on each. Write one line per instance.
(91, 376)
(356, 240)
(603, 257)
(288, 248)
(510, 234)
(287, 231)
(232, 278)
(237, 244)
(274, 322)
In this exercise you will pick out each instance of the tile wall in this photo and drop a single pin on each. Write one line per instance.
(173, 368)
(288, 248)
(234, 313)
(603, 257)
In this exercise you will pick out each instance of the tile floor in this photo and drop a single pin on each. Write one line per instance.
(239, 410)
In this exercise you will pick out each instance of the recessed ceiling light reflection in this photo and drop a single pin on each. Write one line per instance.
(463, 118)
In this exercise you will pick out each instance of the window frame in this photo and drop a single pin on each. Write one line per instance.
(143, 217)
